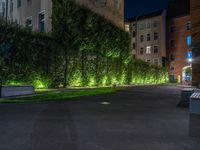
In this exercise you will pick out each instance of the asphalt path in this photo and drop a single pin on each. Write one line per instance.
(138, 118)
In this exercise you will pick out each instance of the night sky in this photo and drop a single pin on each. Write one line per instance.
(136, 7)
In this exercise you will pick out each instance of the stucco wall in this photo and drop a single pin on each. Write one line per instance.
(110, 9)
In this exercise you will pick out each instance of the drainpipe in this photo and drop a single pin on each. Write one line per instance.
(6, 11)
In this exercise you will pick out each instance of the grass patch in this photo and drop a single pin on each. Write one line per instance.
(61, 96)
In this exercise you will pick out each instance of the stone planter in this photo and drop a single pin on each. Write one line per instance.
(195, 114)
(11, 91)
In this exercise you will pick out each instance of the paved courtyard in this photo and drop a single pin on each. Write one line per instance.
(139, 118)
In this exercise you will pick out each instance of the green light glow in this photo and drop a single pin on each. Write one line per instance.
(92, 81)
(76, 80)
(39, 84)
(14, 82)
(105, 81)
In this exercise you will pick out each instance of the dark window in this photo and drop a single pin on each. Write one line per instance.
(155, 24)
(148, 37)
(133, 33)
(172, 68)
(188, 26)
(29, 2)
(141, 26)
(41, 22)
(133, 45)
(155, 36)
(11, 5)
(148, 24)
(29, 22)
(171, 29)
(172, 43)
(3, 8)
(19, 3)
(141, 51)
(172, 57)
(155, 49)
(141, 38)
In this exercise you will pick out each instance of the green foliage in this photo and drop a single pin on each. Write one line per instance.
(84, 49)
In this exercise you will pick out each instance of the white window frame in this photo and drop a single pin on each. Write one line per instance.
(156, 60)
(31, 18)
(154, 49)
(43, 12)
(148, 60)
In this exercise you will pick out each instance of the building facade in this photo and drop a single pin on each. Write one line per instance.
(36, 14)
(110, 9)
(195, 20)
(179, 49)
(148, 34)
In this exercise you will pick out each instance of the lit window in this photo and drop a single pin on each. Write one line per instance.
(148, 50)
(189, 40)
(189, 56)
(156, 61)
(148, 37)
(141, 51)
(155, 49)
(42, 21)
(127, 27)
(155, 36)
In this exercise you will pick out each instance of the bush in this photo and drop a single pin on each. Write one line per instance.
(83, 49)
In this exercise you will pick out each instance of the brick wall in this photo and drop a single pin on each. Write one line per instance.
(179, 50)
(195, 19)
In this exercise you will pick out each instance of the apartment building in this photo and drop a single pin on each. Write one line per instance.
(195, 20)
(148, 34)
(179, 48)
(36, 14)
(111, 9)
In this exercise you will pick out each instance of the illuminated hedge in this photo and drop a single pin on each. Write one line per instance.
(84, 49)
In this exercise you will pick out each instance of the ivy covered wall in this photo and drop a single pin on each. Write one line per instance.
(83, 49)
